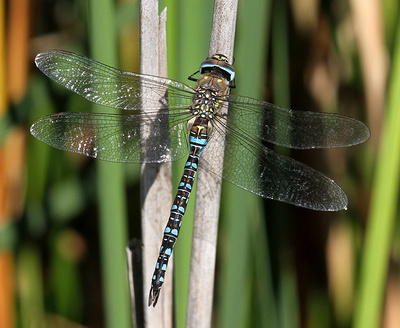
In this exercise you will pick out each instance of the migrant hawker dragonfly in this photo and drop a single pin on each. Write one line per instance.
(184, 120)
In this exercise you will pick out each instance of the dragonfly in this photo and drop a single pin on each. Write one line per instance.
(181, 120)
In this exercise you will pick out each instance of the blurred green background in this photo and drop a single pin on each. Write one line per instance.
(277, 265)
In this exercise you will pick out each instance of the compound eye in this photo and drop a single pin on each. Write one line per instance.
(228, 71)
(208, 65)
(219, 63)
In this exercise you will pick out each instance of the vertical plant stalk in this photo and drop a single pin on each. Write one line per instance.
(4, 67)
(245, 252)
(287, 300)
(110, 185)
(205, 229)
(368, 23)
(156, 178)
(135, 278)
(384, 207)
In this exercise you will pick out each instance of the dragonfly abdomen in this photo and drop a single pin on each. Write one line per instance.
(199, 133)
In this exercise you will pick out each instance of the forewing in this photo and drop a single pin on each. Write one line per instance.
(108, 86)
(295, 128)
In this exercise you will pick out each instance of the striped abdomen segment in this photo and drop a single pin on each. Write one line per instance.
(198, 139)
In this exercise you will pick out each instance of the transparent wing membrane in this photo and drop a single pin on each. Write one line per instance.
(247, 163)
(115, 137)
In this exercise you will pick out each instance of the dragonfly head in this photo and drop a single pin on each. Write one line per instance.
(217, 65)
(220, 65)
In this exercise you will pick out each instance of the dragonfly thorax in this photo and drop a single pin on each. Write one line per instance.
(209, 96)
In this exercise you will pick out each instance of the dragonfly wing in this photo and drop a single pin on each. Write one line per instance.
(115, 138)
(294, 128)
(256, 168)
(108, 86)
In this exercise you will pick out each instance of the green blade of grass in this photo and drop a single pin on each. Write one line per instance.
(111, 197)
(29, 282)
(287, 288)
(384, 205)
(245, 264)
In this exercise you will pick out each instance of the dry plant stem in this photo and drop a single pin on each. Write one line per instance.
(205, 229)
(156, 178)
(368, 23)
